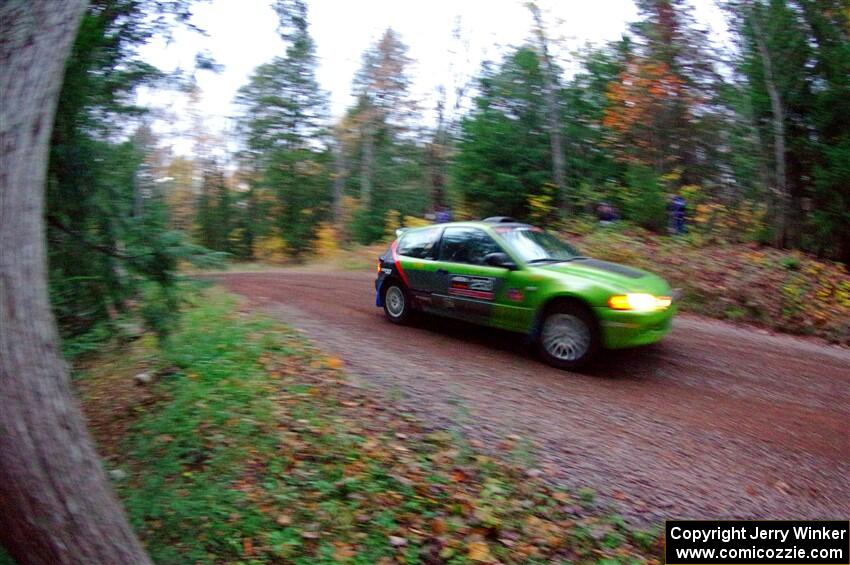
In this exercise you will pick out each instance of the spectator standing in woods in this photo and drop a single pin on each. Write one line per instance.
(606, 213)
(444, 215)
(676, 210)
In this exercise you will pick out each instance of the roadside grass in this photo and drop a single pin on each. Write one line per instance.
(252, 447)
(354, 258)
(237, 266)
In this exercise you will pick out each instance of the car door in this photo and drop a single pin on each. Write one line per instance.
(416, 252)
(466, 287)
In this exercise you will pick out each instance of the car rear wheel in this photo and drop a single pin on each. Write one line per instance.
(568, 336)
(397, 306)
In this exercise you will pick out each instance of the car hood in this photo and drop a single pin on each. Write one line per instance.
(622, 277)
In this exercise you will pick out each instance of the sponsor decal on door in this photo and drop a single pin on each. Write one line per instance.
(472, 287)
(515, 295)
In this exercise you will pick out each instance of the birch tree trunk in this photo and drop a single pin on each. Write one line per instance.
(367, 165)
(436, 157)
(553, 116)
(340, 174)
(56, 504)
(783, 198)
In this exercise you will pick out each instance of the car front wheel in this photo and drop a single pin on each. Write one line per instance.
(568, 337)
(397, 306)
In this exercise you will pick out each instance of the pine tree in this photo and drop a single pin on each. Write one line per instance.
(828, 22)
(378, 139)
(215, 220)
(381, 86)
(593, 171)
(503, 154)
(659, 107)
(283, 129)
(100, 234)
(795, 60)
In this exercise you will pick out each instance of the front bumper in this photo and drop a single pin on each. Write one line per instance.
(622, 328)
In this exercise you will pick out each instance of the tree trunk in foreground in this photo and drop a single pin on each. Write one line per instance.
(56, 504)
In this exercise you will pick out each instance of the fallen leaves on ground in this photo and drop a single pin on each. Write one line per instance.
(273, 456)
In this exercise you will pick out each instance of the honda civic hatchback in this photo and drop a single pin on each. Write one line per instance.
(505, 274)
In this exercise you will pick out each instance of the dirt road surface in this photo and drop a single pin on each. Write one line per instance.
(714, 421)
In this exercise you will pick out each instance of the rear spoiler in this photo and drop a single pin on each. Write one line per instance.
(400, 231)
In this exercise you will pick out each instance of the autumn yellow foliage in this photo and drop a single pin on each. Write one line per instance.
(326, 244)
(414, 222)
(392, 221)
(271, 248)
(542, 207)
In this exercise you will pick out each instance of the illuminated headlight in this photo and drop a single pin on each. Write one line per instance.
(639, 302)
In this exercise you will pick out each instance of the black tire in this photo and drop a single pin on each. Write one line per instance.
(568, 336)
(398, 306)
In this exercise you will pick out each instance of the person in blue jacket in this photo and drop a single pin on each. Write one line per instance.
(677, 211)
(606, 213)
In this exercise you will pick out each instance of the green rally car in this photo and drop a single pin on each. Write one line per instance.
(502, 273)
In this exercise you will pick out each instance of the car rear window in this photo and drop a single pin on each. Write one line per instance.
(419, 244)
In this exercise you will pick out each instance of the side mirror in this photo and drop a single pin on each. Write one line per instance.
(499, 259)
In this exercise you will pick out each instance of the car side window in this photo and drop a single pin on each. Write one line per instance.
(419, 244)
(467, 245)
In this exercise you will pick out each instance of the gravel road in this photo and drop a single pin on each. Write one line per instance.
(714, 421)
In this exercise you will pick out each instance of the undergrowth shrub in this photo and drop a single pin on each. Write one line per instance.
(788, 291)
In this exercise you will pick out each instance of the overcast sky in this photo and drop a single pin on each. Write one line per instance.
(241, 34)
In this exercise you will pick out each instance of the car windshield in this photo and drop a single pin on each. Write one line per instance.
(534, 245)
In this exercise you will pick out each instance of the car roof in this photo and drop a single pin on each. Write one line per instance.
(473, 224)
